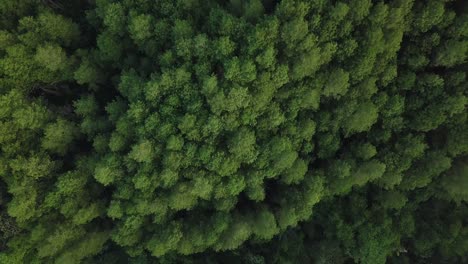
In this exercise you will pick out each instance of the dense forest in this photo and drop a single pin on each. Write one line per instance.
(241, 131)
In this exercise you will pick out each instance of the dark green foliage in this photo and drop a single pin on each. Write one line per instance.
(252, 131)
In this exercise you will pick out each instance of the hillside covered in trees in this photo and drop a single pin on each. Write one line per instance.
(241, 131)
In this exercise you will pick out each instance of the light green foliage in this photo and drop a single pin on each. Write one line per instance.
(86, 73)
(108, 171)
(36, 56)
(361, 119)
(337, 83)
(50, 57)
(143, 152)
(140, 27)
(242, 145)
(90, 245)
(59, 136)
(114, 17)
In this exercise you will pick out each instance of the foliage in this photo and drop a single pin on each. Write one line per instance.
(254, 131)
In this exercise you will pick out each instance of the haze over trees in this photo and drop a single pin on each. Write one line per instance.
(241, 131)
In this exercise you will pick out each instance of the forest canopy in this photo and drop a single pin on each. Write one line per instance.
(241, 131)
